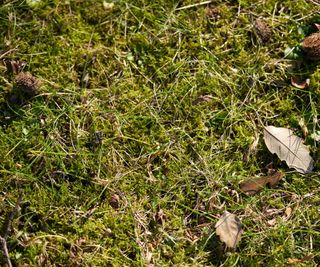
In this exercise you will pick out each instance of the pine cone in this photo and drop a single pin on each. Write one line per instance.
(27, 83)
(311, 46)
(263, 30)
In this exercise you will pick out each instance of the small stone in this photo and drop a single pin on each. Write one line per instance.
(311, 46)
(262, 30)
(27, 83)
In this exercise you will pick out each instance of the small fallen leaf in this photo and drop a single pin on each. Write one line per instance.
(298, 83)
(287, 212)
(252, 186)
(228, 228)
(202, 99)
(289, 148)
(304, 259)
(272, 222)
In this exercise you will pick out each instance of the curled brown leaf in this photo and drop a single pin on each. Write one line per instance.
(253, 186)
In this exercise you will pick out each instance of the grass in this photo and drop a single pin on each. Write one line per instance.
(117, 160)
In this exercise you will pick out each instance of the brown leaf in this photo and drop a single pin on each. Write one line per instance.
(300, 83)
(228, 228)
(304, 259)
(202, 99)
(252, 186)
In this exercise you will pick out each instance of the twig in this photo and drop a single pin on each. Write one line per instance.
(194, 5)
(4, 247)
(7, 224)
(6, 230)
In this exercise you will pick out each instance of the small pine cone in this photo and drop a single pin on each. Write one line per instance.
(27, 83)
(263, 30)
(311, 46)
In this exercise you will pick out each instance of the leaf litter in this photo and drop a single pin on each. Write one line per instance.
(289, 148)
(253, 186)
(228, 228)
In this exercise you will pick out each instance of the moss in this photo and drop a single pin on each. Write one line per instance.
(117, 115)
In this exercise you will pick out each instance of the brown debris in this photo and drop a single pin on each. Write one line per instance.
(202, 99)
(252, 186)
(27, 83)
(311, 46)
(262, 29)
(300, 83)
(213, 13)
(114, 201)
(14, 66)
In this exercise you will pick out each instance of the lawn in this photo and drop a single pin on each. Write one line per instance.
(142, 119)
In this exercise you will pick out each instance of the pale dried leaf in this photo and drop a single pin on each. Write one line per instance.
(296, 261)
(272, 222)
(289, 148)
(228, 228)
(287, 212)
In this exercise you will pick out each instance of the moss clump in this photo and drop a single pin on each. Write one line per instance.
(311, 47)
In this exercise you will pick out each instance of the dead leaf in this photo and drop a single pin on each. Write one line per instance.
(304, 259)
(272, 222)
(299, 83)
(202, 99)
(228, 228)
(252, 186)
(289, 148)
(287, 212)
